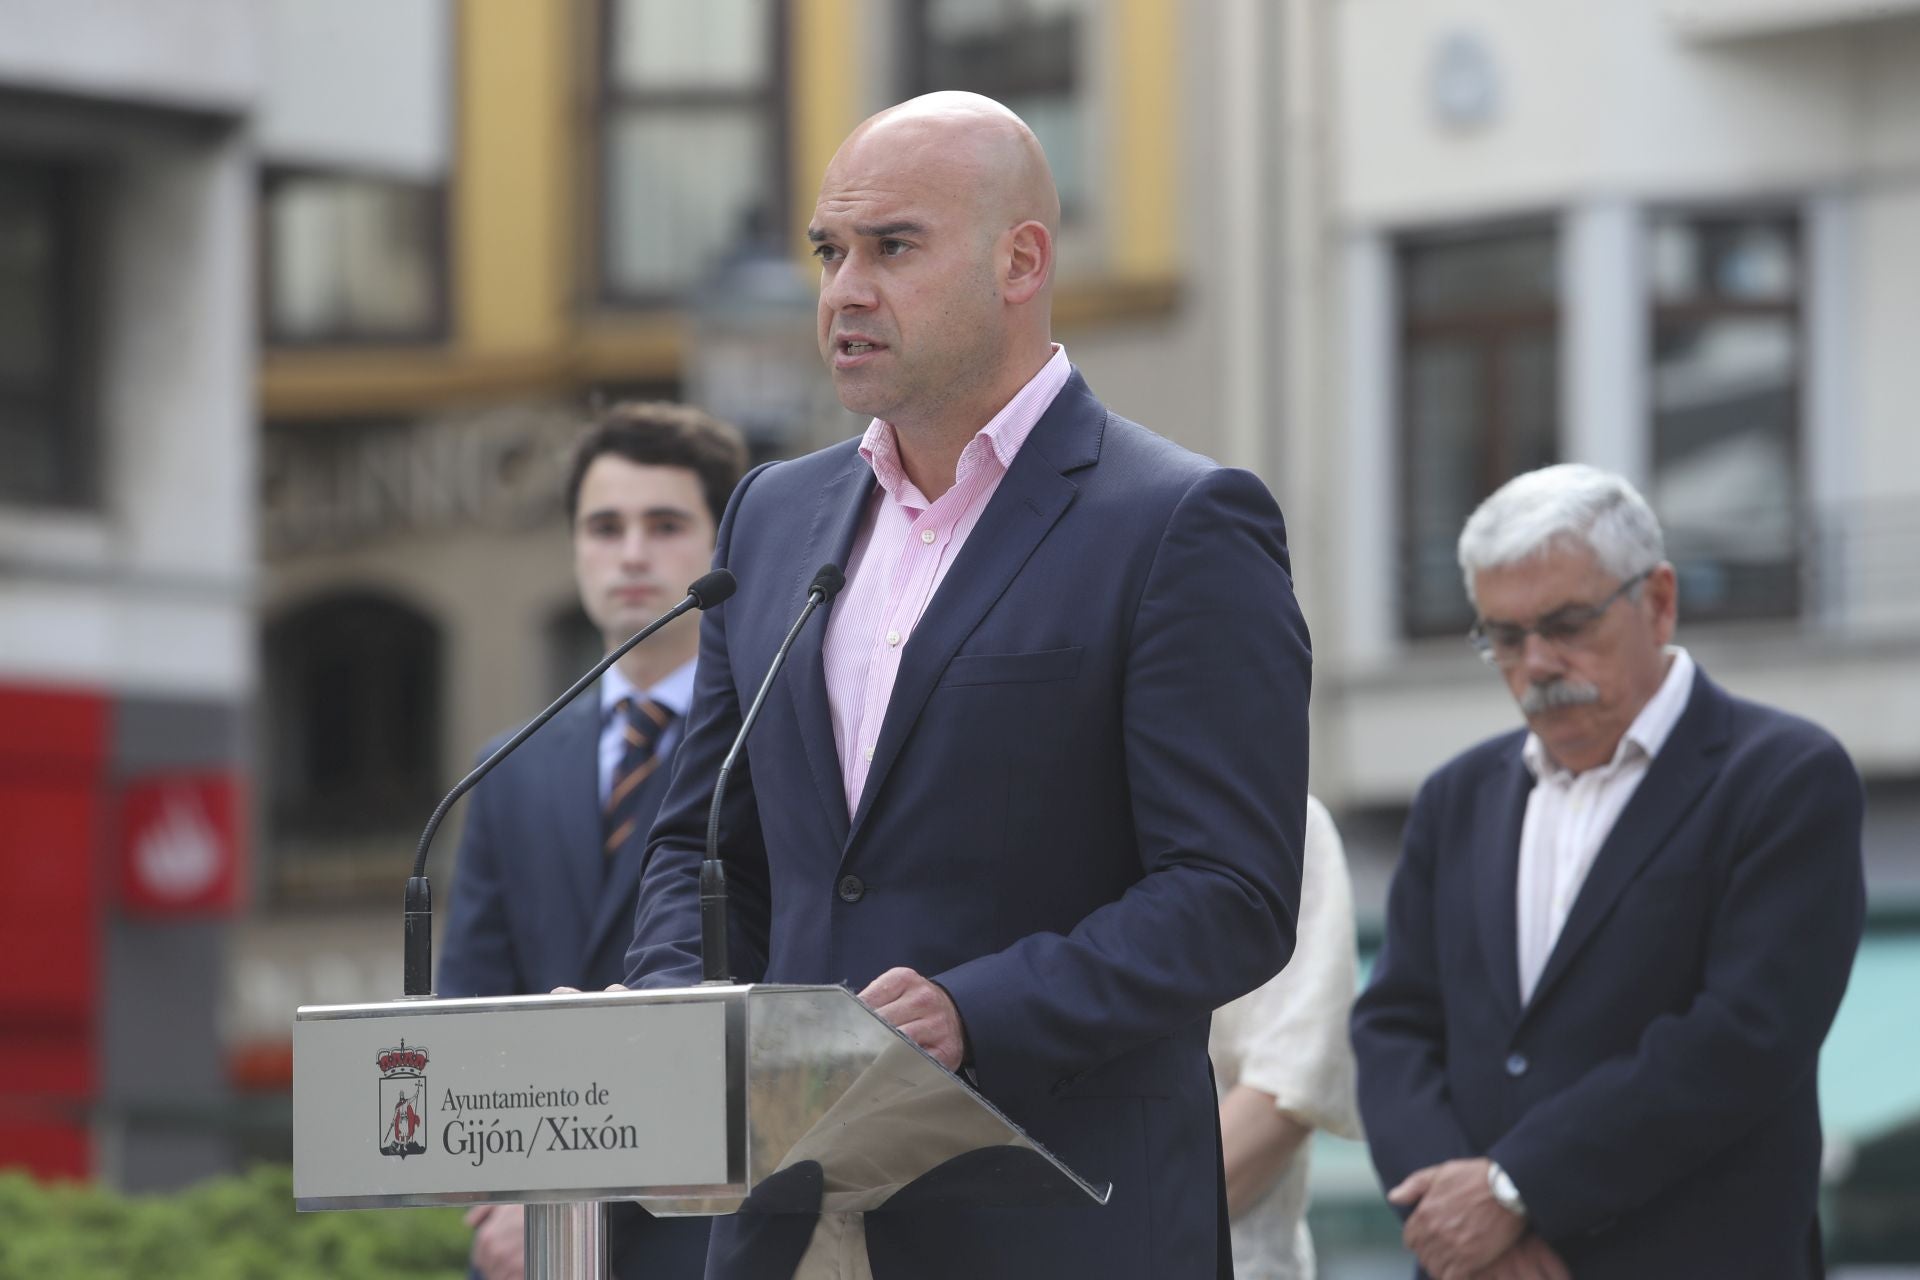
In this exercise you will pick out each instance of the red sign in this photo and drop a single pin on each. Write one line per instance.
(180, 845)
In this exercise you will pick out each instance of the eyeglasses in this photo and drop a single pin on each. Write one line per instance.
(1503, 643)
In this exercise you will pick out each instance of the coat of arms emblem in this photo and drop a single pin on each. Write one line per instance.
(403, 1100)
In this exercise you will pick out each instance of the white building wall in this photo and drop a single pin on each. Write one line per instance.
(1886, 315)
(188, 54)
(146, 590)
(149, 592)
(364, 85)
(1588, 99)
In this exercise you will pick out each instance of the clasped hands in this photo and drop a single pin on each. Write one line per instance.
(1459, 1231)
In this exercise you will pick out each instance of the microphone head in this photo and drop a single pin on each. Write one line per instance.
(710, 589)
(827, 582)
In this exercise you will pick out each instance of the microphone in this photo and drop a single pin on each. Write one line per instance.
(713, 873)
(417, 949)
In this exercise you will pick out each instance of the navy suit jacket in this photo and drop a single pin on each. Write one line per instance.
(1655, 1100)
(1084, 816)
(535, 907)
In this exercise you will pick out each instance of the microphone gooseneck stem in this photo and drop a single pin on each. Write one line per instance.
(486, 766)
(417, 950)
(713, 872)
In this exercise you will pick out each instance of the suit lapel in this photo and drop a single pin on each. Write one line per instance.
(1030, 498)
(1688, 761)
(1496, 873)
(836, 519)
(573, 799)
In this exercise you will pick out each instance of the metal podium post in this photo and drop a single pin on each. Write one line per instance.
(567, 1241)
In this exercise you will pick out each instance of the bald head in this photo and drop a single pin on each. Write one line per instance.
(934, 230)
(964, 144)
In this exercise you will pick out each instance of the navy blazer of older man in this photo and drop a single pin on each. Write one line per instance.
(1655, 1101)
(1084, 817)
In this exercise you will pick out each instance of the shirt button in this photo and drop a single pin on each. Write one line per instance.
(1517, 1064)
(867, 753)
(926, 536)
(893, 637)
(851, 890)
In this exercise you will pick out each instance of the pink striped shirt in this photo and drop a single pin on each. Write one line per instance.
(900, 556)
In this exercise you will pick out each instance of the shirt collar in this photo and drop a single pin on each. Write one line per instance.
(1001, 438)
(674, 691)
(1648, 732)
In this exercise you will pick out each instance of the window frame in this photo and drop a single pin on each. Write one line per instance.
(1492, 331)
(610, 99)
(295, 843)
(1701, 309)
(912, 41)
(438, 328)
(67, 394)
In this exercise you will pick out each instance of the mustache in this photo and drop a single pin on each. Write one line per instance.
(1552, 695)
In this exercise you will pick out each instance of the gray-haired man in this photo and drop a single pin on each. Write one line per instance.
(1616, 939)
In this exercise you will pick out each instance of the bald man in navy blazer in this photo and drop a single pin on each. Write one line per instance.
(1037, 788)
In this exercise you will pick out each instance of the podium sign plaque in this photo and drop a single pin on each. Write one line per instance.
(517, 1098)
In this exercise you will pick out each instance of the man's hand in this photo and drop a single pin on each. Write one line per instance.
(1531, 1258)
(1458, 1227)
(499, 1240)
(923, 1012)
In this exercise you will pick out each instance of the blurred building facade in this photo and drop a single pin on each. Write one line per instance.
(1384, 252)
(127, 448)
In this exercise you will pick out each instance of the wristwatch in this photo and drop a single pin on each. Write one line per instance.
(1504, 1192)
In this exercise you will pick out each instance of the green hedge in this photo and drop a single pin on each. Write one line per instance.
(240, 1228)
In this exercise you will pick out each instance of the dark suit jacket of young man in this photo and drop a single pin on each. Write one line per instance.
(536, 907)
(1655, 1101)
(1084, 817)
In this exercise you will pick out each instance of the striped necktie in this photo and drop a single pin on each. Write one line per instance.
(642, 722)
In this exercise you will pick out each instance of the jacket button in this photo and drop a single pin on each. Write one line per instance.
(851, 889)
(1517, 1064)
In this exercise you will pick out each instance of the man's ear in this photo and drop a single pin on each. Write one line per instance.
(1029, 261)
(1663, 593)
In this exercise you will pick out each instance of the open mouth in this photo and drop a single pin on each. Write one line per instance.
(852, 350)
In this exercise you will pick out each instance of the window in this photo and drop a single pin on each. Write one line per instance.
(693, 159)
(1726, 378)
(353, 258)
(43, 434)
(1480, 397)
(353, 723)
(1024, 53)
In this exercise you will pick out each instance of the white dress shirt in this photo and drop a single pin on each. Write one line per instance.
(1569, 817)
(675, 693)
